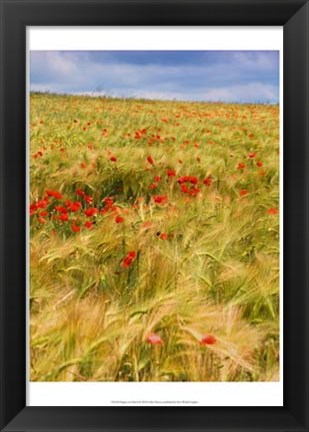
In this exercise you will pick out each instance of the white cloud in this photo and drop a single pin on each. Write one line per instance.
(53, 64)
(256, 61)
(69, 72)
(243, 93)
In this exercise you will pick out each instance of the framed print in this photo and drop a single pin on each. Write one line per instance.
(154, 215)
(181, 297)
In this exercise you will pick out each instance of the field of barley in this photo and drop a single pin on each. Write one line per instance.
(154, 240)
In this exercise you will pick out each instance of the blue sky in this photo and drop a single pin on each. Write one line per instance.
(227, 76)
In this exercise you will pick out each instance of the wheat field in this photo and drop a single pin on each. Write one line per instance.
(154, 240)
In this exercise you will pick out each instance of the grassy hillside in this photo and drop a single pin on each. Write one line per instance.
(154, 240)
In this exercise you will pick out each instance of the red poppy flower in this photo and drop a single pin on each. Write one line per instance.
(80, 192)
(130, 257)
(259, 164)
(157, 178)
(108, 201)
(150, 160)
(154, 339)
(153, 186)
(193, 180)
(194, 191)
(33, 209)
(91, 211)
(252, 155)
(83, 165)
(147, 224)
(171, 173)
(119, 219)
(43, 213)
(73, 206)
(38, 154)
(42, 220)
(75, 227)
(184, 188)
(54, 194)
(208, 180)
(160, 199)
(241, 166)
(88, 199)
(182, 179)
(243, 192)
(208, 340)
(42, 203)
(163, 236)
(113, 158)
(188, 179)
(64, 217)
(89, 225)
(61, 209)
(272, 211)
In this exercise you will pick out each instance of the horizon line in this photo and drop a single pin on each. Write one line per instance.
(94, 94)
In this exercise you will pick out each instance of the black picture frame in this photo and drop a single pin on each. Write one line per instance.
(16, 15)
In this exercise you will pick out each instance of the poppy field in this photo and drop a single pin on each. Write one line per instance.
(154, 240)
